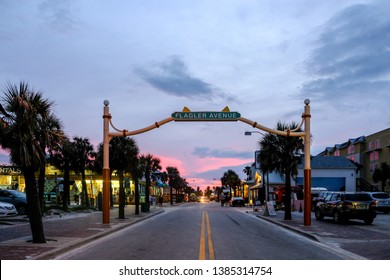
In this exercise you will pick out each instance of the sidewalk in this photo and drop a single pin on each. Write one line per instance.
(315, 231)
(63, 232)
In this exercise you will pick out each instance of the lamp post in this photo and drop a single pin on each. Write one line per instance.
(307, 171)
(249, 133)
(106, 164)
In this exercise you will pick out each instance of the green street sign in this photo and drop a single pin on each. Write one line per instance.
(206, 116)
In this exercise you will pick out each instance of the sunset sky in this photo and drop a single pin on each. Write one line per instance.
(261, 58)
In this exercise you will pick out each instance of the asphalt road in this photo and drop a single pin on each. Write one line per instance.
(205, 231)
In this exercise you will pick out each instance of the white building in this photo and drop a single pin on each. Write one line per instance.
(335, 173)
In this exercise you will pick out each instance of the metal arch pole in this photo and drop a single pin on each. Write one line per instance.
(106, 164)
(142, 130)
(106, 157)
(274, 131)
(307, 167)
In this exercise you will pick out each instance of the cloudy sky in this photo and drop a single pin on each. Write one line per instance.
(261, 58)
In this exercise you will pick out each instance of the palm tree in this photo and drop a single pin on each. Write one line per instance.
(382, 174)
(136, 175)
(231, 179)
(174, 178)
(282, 154)
(61, 158)
(123, 153)
(84, 156)
(248, 171)
(23, 113)
(180, 188)
(51, 136)
(149, 164)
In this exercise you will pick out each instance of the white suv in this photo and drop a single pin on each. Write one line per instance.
(382, 201)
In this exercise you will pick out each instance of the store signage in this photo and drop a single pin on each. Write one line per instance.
(10, 170)
(206, 116)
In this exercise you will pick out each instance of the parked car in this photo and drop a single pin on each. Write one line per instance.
(345, 206)
(382, 201)
(237, 201)
(7, 209)
(318, 198)
(17, 198)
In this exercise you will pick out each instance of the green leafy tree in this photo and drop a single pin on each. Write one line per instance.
(23, 115)
(283, 155)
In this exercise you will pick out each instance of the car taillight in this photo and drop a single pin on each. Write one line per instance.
(373, 203)
(346, 204)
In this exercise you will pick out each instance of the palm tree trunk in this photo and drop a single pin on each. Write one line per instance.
(41, 186)
(147, 192)
(41, 180)
(121, 212)
(136, 197)
(33, 207)
(84, 189)
(171, 195)
(111, 193)
(66, 193)
(287, 197)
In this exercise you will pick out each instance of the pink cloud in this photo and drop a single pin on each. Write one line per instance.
(200, 165)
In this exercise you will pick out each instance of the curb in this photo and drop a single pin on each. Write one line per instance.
(286, 226)
(77, 243)
(304, 233)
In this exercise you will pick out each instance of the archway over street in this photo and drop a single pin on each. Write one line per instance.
(187, 115)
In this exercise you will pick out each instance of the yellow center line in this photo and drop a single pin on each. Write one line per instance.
(209, 239)
(202, 242)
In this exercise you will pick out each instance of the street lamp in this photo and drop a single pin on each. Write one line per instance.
(249, 133)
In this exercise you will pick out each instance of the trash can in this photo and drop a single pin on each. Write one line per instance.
(100, 201)
(144, 207)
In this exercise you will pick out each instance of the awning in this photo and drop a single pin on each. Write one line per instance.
(160, 184)
(256, 187)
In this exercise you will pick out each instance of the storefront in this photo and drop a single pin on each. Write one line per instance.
(11, 177)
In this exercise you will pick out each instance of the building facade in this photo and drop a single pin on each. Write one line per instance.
(11, 177)
(368, 153)
(335, 173)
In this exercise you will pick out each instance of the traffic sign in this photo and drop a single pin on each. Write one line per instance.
(206, 116)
